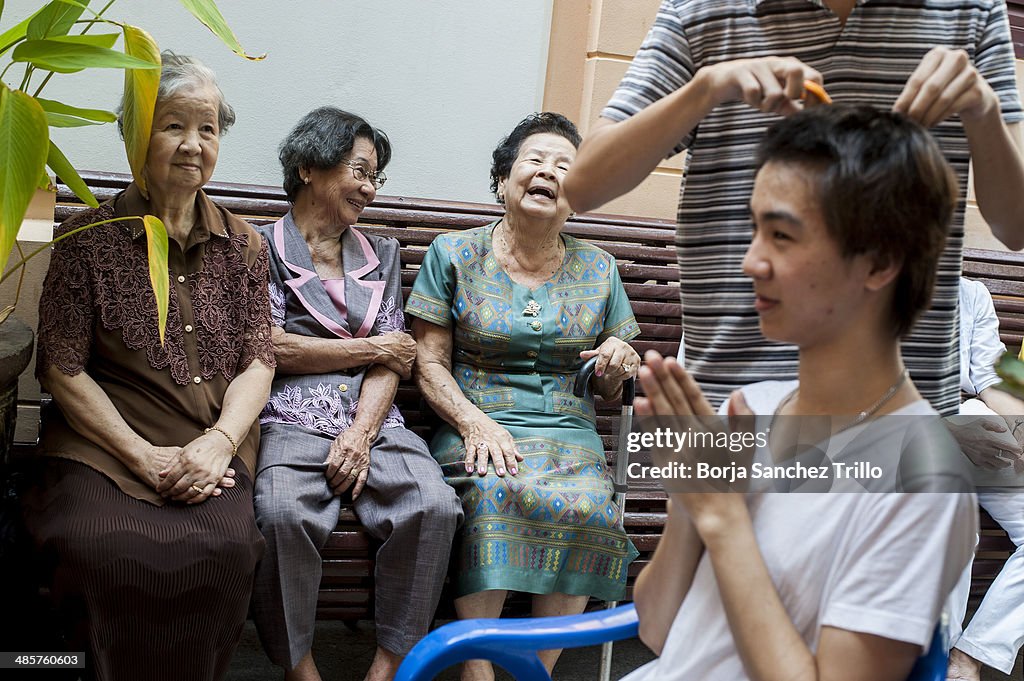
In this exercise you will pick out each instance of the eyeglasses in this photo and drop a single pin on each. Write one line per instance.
(360, 173)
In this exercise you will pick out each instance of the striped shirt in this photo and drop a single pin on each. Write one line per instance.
(867, 61)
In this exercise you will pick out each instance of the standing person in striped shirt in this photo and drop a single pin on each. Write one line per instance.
(712, 75)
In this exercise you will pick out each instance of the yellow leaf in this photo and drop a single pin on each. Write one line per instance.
(156, 240)
(24, 144)
(140, 88)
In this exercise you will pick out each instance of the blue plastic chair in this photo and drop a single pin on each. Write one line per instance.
(513, 644)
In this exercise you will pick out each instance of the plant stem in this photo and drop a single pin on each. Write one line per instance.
(28, 77)
(48, 244)
(43, 84)
(21, 276)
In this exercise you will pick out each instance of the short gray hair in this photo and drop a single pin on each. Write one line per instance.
(321, 139)
(180, 72)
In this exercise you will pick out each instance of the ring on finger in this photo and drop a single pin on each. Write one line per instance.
(196, 488)
(482, 446)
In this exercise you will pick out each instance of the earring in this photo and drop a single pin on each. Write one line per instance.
(305, 180)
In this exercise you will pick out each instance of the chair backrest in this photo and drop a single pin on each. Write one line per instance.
(513, 644)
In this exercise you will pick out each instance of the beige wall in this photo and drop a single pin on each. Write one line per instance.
(592, 43)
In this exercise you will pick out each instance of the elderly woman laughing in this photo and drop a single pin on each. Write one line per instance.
(505, 314)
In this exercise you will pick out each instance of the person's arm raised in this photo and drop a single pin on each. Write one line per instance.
(615, 157)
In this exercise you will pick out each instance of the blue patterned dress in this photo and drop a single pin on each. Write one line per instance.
(553, 527)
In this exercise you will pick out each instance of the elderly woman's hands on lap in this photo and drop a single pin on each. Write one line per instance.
(202, 463)
(486, 439)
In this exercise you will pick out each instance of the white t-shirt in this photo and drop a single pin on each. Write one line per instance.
(875, 563)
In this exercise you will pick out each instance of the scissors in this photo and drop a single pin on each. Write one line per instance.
(814, 94)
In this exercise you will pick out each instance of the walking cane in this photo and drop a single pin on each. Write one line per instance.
(582, 389)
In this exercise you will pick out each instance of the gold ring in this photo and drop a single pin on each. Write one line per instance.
(197, 488)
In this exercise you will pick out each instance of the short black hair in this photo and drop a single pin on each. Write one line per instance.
(505, 153)
(321, 139)
(884, 188)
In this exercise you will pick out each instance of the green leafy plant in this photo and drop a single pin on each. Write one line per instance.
(65, 37)
(1010, 368)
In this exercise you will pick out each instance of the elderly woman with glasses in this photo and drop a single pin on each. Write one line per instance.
(145, 510)
(330, 427)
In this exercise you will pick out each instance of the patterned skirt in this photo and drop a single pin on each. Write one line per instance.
(154, 592)
(552, 528)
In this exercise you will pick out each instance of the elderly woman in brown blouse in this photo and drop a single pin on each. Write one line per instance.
(144, 514)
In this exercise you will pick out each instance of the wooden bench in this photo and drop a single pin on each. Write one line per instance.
(644, 249)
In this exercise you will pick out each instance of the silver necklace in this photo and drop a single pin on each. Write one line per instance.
(862, 416)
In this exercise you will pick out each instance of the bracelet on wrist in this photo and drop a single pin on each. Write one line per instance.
(234, 445)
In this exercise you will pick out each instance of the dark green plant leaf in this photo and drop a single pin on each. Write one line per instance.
(54, 19)
(206, 11)
(62, 167)
(24, 143)
(67, 57)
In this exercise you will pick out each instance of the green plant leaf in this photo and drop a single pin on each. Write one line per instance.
(68, 57)
(1, 8)
(11, 36)
(105, 40)
(62, 167)
(60, 115)
(206, 11)
(140, 87)
(54, 19)
(156, 241)
(24, 138)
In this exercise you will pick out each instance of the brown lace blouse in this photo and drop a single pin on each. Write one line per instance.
(97, 314)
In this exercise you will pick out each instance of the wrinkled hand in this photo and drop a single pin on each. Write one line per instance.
(616, 361)
(945, 84)
(768, 84)
(348, 461)
(485, 439)
(396, 351)
(153, 461)
(984, 440)
(201, 464)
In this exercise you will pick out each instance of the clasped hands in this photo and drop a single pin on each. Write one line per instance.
(945, 83)
(190, 474)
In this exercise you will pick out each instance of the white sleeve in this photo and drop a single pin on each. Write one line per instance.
(984, 345)
(889, 577)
